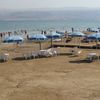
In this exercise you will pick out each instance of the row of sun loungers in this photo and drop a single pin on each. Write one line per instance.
(30, 55)
(49, 53)
(42, 53)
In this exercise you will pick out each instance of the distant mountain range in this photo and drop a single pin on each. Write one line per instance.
(51, 14)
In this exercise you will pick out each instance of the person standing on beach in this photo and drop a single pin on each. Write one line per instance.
(25, 32)
(1, 35)
(15, 32)
(45, 32)
(72, 29)
(42, 32)
(66, 35)
(27, 36)
(9, 33)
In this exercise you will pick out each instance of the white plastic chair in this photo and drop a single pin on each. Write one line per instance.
(4, 57)
(77, 53)
(35, 54)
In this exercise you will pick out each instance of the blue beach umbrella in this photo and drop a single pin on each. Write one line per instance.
(77, 34)
(61, 33)
(53, 35)
(95, 36)
(13, 38)
(37, 37)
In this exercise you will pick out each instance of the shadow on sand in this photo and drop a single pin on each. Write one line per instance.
(65, 54)
(80, 61)
(28, 58)
(20, 58)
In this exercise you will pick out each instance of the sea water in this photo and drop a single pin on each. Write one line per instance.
(33, 25)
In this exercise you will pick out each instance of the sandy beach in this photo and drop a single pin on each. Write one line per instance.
(62, 77)
(49, 50)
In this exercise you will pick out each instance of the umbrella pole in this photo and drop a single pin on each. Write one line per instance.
(51, 42)
(61, 39)
(79, 42)
(40, 45)
(96, 43)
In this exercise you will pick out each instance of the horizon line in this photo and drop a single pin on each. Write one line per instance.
(56, 8)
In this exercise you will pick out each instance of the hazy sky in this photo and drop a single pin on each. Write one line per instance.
(28, 4)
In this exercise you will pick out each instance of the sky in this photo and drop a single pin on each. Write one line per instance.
(32, 4)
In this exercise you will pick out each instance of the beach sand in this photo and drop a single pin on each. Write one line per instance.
(62, 77)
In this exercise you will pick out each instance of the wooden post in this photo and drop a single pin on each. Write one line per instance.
(40, 45)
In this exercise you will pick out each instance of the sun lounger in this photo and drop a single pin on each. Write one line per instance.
(34, 54)
(45, 53)
(48, 52)
(27, 56)
(75, 51)
(53, 51)
(92, 57)
(4, 57)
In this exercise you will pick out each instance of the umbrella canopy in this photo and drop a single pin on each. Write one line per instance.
(62, 33)
(77, 34)
(53, 35)
(37, 37)
(94, 36)
(13, 38)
